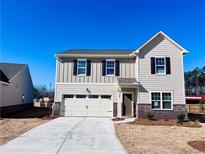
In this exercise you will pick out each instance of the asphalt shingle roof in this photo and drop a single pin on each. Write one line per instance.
(98, 51)
(10, 70)
(126, 80)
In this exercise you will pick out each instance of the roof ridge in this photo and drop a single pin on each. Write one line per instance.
(12, 63)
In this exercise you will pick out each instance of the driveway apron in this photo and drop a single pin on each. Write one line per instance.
(68, 135)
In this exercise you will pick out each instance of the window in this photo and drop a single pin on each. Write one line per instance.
(80, 96)
(93, 96)
(161, 100)
(81, 67)
(160, 65)
(156, 100)
(68, 96)
(166, 101)
(105, 96)
(110, 67)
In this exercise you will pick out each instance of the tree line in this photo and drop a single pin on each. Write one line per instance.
(195, 81)
(42, 91)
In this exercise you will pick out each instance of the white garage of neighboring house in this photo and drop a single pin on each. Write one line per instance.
(16, 87)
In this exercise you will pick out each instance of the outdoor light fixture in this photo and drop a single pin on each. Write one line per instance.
(88, 90)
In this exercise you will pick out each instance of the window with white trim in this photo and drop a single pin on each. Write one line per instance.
(166, 100)
(80, 96)
(161, 100)
(110, 67)
(68, 96)
(160, 65)
(156, 100)
(81, 67)
(93, 96)
(105, 96)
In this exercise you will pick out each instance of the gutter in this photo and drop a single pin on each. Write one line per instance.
(91, 55)
(5, 83)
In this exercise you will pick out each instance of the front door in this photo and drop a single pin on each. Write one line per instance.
(127, 105)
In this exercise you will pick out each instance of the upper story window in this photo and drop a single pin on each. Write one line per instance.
(160, 65)
(110, 67)
(81, 67)
(161, 100)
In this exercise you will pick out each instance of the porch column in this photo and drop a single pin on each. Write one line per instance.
(119, 102)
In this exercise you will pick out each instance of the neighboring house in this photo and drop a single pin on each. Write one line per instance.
(116, 83)
(16, 88)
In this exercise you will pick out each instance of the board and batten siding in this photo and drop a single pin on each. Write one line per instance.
(64, 72)
(174, 82)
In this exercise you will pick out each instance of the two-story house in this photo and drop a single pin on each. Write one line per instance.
(117, 83)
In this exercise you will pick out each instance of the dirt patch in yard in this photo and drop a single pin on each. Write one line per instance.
(158, 139)
(165, 123)
(11, 128)
(199, 145)
(18, 123)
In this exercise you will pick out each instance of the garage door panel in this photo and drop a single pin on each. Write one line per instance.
(80, 113)
(69, 113)
(106, 107)
(93, 113)
(106, 114)
(69, 106)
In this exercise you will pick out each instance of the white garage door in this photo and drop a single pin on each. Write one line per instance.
(88, 105)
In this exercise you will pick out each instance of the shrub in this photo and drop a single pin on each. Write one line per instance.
(149, 115)
(180, 117)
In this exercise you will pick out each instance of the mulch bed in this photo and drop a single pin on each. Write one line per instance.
(165, 123)
(198, 145)
(118, 119)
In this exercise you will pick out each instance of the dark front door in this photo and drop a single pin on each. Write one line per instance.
(127, 105)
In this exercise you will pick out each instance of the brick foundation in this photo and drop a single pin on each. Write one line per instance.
(115, 109)
(160, 114)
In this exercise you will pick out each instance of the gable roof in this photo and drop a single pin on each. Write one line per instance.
(184, 51)
(114, 52)
(10, 70)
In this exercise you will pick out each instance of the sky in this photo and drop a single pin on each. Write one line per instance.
(33, 31)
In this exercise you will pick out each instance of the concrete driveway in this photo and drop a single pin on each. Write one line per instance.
(68, 135)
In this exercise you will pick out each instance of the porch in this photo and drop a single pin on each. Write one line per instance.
(127, 97)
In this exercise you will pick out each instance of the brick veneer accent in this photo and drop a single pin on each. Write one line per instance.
(114, 109)
(161, 114)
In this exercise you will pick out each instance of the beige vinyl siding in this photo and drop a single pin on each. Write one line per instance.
(65, 71)
(151, 82)
(99, 89)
